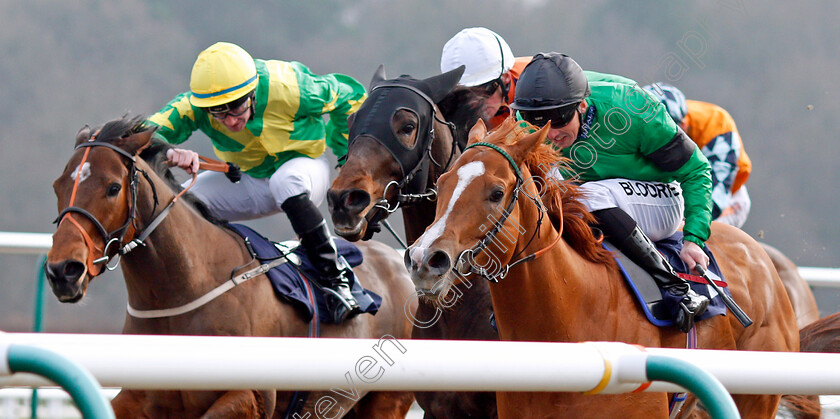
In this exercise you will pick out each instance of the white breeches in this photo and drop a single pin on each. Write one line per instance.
(657, 207)
(252, 198)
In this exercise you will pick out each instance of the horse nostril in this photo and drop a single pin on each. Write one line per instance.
(333, 199)
(49, 271)
(356, 200)
(407, 260)
(73, 270)
(439, 262)
(64, 271)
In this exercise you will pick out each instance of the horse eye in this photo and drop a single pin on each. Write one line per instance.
(114, 189)
(497, 195)
(407, 129)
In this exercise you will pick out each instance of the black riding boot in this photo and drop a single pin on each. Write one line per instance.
(633, 242)
(316, 240)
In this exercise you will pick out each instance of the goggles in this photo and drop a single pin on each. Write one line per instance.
(234, 109)
(559, 117)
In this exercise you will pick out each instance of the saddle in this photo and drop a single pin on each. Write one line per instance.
(652, 299)
(294, 281)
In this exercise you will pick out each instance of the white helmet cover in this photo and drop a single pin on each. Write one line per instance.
(483, 52)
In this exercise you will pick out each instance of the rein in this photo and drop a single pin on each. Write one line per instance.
(116, 237)
(287, 256)
(464, 265)
(94, 265)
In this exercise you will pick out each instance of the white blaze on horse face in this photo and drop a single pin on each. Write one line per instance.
(83, 174)
(466, 174)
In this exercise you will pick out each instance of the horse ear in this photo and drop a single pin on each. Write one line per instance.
(378, 76)
(135, 143)
(478, 132)
(528, 143)
(83, 134)
(442, 84)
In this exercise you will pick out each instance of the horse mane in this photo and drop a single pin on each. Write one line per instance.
(155, 156)
(560, 197)
(462, 107)
(116, 131)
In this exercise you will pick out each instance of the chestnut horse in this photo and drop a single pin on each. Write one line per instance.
(105, 203)
(801, 296)
(359, 191)
(556, 282)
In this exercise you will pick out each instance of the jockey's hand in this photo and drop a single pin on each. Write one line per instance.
(185, 159)
(692, 255)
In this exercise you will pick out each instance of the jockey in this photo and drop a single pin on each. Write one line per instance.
(623, 149)
(266, 116)
(714, 131)
(491, 71)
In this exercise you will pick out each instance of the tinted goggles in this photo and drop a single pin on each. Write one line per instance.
(559, 117)
(234, 109)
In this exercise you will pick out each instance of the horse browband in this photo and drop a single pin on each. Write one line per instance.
(93, 143)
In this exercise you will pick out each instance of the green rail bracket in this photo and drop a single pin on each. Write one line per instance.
(78, 382)
(700, 382)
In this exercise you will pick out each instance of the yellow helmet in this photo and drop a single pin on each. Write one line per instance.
(221, 74)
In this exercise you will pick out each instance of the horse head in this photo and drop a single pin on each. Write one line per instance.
(478, 221)
(398, 141)
(96, 201)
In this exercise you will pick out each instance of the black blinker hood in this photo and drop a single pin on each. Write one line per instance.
(373, 119)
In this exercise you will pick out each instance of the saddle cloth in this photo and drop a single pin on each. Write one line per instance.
(655, 302)
(292, 287)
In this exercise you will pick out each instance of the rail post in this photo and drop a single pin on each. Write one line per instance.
(38, 321)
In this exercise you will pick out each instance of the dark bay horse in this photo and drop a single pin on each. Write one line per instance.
(556, 283)
(366, 183)
(822, 335)
(116, 197)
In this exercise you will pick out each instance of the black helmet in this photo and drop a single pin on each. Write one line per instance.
(550, 80)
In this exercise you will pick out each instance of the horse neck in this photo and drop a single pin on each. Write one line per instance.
(416, 218)
(422, 214)
(544, 299)
(442, 146)
(180, 259)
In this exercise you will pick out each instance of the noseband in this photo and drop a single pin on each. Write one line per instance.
(465, 265)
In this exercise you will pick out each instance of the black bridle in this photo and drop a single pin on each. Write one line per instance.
(413, 187)
(465, 265)
(115, 237)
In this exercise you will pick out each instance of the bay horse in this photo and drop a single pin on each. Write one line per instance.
(364, 192)
(107, 197)
(555, 282)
